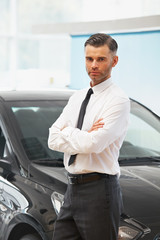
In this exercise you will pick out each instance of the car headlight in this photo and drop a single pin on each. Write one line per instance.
(57, 201)
(127, 233)
(131, 229)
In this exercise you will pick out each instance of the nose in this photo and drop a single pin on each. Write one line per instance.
(94, 64)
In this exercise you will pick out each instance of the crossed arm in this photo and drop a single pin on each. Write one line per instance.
(98, 124)
(102, 133)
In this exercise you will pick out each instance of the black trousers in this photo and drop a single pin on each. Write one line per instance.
(91, 211)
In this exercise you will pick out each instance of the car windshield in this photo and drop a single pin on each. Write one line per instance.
(34, 119)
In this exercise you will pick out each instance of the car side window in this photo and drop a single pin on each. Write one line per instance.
(142, 134)
(142, 140)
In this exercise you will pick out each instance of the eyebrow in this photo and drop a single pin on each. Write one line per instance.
(96, 57)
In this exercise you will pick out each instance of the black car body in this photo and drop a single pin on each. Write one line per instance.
(33, 179)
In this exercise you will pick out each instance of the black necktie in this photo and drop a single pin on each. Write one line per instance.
(80, 119)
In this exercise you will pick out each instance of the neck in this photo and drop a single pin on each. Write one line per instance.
(93, 83)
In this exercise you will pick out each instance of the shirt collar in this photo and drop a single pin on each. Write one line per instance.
(102, 86)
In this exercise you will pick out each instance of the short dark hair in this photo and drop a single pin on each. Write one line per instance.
(100, 39)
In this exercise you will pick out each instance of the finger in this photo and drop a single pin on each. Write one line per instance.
(99, 120)
(96, 127)
(98, 124)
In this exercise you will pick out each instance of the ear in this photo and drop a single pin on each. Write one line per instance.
(115, 61)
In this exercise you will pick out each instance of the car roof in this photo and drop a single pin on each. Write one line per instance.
(38, 95)
(60, 94)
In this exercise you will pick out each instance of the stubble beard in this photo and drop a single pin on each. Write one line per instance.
(96, 80)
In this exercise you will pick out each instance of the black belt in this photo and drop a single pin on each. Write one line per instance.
(88, 177)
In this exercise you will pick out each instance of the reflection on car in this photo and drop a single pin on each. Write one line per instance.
(33, 179)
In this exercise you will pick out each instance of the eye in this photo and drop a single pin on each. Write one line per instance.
(89, 59)
(101, 59)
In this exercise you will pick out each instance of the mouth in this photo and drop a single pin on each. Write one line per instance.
(94, 73)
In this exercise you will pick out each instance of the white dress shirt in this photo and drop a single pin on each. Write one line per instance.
(97, 151)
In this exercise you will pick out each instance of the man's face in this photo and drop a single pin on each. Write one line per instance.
(99, 63)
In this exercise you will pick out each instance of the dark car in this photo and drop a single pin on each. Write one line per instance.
(33, 179)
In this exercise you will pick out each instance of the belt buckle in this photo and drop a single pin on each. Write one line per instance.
(72, 180)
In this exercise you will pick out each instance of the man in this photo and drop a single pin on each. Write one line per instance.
(92, 203)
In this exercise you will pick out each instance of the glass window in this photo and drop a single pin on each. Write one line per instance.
(4, 54)
(4, 17)
(117, 9)
(44, 12)
(41, 12)
(4, 63)
(43, 63)
(143, 135)
(28, 54)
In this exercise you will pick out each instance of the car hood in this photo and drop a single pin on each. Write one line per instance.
(141, 192)
(54, 178)
(140, 189)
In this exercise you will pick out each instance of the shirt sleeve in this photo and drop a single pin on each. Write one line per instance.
(73, 140)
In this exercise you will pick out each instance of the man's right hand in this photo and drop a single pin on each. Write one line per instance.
(98, 124)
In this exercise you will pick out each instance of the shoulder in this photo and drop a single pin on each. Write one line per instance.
(118, 94)
(78, 95)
